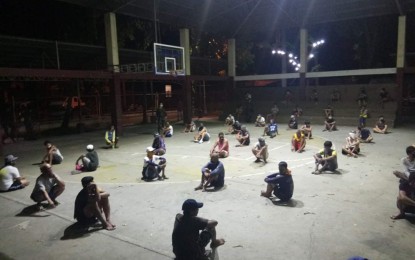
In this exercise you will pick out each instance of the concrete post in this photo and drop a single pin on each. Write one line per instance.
(303, 62)
(400, 67)
(231, 58)
(185, 43)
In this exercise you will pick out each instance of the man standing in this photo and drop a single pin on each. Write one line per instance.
(213, 174)
(10, 178)
(90, 160)
(90, 203)
(260, 150)
(282, 183)
(327, 158)
(161, 118)
(188, 243)
(48, 187)
(221, 147)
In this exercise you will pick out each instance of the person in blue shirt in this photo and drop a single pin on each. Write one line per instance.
(213, 174)
(364, 135)
(281, 183)
(271, 129)
(158, 144)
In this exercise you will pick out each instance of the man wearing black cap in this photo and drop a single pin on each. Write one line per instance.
(188, 243)
(327, 158)
(281, 182)
(10, 178)
(90, 203)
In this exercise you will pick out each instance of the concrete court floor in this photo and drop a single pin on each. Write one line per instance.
(331, 216)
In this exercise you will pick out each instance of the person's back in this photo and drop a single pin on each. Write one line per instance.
(284, 187)
(93, 156)
(185, 236)
(80, 202)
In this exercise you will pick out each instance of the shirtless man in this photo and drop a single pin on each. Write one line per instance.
(90, 203)
(221, 146)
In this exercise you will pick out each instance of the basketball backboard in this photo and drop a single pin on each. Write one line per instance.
(169, 60)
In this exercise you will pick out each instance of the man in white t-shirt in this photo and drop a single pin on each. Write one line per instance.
(153, 166)
(10, 178)
(168, 130)
(260, 121)
(408, 163)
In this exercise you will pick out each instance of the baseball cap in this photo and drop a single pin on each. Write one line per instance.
(284, 164)
(191, 204)
(90, 147)
(10, 158)
(149, 149)
(86, 180)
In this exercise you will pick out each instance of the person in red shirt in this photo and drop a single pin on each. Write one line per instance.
(221, 146)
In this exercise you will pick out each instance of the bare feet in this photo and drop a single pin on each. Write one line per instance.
(264, 194)
(399, 216)
(108, 226)
(109, 222)
(217, 242)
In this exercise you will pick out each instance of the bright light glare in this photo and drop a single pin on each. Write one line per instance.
(273, 51)
(311, 56)
(290, 55)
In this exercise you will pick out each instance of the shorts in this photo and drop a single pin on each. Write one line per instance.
(38, 196)
(282, 196)
(206, 137)
(17, 185)
(56, 159)
(297, 145)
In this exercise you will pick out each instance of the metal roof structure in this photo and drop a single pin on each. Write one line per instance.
(234, 17)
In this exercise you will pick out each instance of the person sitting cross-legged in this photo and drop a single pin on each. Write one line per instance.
(281, 183)
(202, 134)
(406, 197)
(10, 178)
(293, 124)
(408, 164)
(330, 124)
(53, 154)
(327, 158)
(381, 127)
(298, 142)
(168, 130)
(352, 147)
(213, 174)
(188, 242)
(153, 166)
(260, 150)
(260, 121)
(236, 127)
(307, 130)
(364, 135)
(221, 146)
(90, 203)
(271, 129)
(48, 186)
(243, 137)
(111, 138)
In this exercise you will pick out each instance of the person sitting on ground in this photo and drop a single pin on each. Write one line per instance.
(229, 121)
(10, 178)
(352, 145)
(298, 142)
(168, 130)
(90, 202)
(153, 166)
(243, 137)
(202, 134)
(364, 135)
(213, 174)
(408, 163)
(381, 127)
(293, 124)
(48, 186)
(188, 243)
(281, 183)
(260, 150)
(297, 111)
(274, 112)
(111, 138)
(190, 127)
(271, 130)
(88, 162)
(236, 127)
(307, 130)
(328, 111)
(159, 145)
(327, 158)
(330, 124)
(221, 146)
(53, 155)
(260, 121)
(406, 197)
(363, 116)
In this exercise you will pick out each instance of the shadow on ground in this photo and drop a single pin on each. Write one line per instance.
(77, 230)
